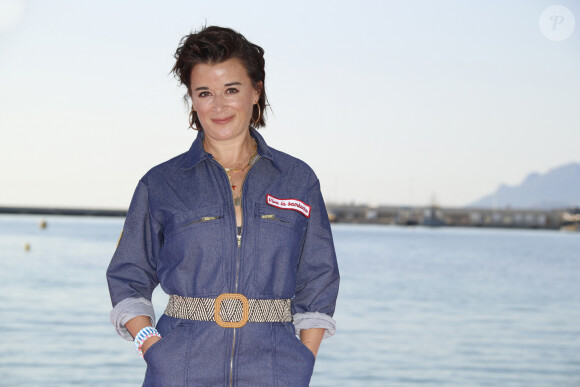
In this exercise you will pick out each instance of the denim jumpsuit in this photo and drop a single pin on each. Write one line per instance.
(180, 232)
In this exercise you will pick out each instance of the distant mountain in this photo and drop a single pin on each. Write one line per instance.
(557, 188)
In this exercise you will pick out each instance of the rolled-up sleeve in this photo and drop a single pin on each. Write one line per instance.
(131, 275)
(317, 278)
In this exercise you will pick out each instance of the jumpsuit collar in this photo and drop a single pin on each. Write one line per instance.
(197, 153)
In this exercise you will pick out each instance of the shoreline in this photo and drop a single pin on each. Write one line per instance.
(62, 211)
(430, 216)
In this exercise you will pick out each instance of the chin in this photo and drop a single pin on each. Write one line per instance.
(223, 133)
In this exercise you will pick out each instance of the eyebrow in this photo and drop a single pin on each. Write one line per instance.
(227, 85)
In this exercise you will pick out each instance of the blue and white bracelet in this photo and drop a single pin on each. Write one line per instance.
(143, 335)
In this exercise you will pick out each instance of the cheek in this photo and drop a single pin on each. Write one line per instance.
(242, 106)
(202, 111)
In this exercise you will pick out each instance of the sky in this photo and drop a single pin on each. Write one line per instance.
(390, 102)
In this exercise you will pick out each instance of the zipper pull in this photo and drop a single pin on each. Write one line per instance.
(239, 240)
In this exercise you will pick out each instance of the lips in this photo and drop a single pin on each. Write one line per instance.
(222, 121)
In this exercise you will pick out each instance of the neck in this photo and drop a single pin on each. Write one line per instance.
(229, 152)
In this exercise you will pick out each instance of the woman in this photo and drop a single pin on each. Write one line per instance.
(234, 231)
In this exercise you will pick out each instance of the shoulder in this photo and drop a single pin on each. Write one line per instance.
(284, 162)
(166, 169)
(289, 164)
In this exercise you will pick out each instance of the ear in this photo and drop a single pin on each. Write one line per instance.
(190, 99)
(258, 90)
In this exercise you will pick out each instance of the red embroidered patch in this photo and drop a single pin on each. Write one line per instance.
(289, 204)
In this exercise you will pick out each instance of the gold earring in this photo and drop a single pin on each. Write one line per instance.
(257, 120)
(192, 118)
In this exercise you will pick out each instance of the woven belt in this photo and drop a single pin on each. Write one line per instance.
(229, 310)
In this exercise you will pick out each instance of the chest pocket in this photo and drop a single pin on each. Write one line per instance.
(279, 240)
(191, 260)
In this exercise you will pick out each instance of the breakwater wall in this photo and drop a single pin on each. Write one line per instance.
(454, 217)
(61, 211)
(433, 216)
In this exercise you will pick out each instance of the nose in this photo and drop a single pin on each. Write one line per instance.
(219, 103)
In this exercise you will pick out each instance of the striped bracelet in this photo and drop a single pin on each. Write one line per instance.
(143, 335)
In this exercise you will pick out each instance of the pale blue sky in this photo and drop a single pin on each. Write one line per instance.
(390, 102)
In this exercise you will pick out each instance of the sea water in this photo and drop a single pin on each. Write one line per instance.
(417, 307)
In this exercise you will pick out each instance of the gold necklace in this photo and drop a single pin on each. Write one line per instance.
(237, 193)
(251, 155)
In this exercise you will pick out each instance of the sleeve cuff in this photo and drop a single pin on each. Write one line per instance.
(314, 320)
(126, 310)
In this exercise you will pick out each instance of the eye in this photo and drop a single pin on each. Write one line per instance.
(231, 90)
(204, 94)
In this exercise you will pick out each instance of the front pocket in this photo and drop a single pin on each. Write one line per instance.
(274, 218)
(167, 359)
(159, 346)
(191, 261)
(292, 333)
(278, 239)
(203, 219)
(182, 221)
(292, 357)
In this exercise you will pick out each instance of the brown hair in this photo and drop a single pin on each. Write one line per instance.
(216, 45)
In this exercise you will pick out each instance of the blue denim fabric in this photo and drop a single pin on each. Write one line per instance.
(166, 241)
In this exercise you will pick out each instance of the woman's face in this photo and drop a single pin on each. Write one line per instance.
(223, 97)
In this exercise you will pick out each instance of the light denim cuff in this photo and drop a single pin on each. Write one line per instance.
(314, 320)
(128, 309)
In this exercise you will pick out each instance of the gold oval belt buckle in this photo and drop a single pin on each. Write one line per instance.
(245, 310)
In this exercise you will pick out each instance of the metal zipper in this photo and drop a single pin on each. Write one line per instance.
(239, 242)
(273, 217)
(204, 219)
(239, 245)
